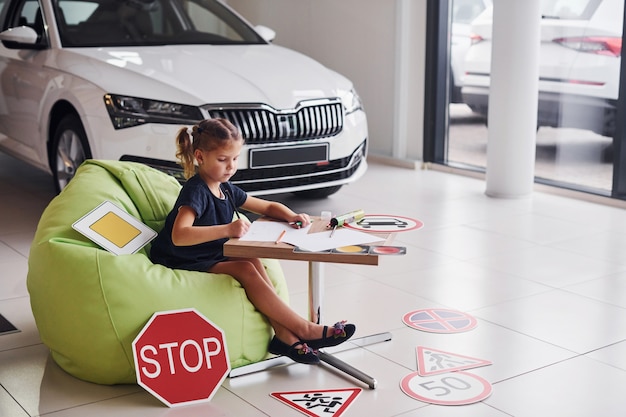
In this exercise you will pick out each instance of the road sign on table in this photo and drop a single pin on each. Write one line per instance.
(181, 357)
(385, 223)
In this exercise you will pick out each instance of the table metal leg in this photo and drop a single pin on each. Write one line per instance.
(316, 286)
(348, 369)
(259, 366)
(316, 293)
(316, 290)
(324, 357)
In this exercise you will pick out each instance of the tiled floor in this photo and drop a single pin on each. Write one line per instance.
(544, 276)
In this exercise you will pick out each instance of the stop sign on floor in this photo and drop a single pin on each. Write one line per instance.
(181, 357)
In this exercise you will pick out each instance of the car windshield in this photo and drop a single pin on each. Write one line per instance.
(88, 23)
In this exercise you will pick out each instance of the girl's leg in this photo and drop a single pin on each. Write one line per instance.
(258, 265)
(282, 332)
(289, 326)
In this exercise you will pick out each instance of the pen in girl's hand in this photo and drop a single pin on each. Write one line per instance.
(298, 224)
(229, 197)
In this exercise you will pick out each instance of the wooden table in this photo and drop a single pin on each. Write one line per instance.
(246, 248)
(316, 260)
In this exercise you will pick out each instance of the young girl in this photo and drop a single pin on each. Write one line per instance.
(202, 221)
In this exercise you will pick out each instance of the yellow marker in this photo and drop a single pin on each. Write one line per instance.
(347, 218)
(344, 219)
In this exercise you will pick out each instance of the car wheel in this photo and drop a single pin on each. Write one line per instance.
(69, 150)
(318, 192)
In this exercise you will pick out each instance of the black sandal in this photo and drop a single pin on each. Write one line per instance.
(341, 333)
(303, 354)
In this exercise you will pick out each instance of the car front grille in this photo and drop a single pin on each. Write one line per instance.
(276, 178)
(299, 175)
(264, 124)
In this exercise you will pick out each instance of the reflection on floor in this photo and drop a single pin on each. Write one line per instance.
(577, 157)
(545, 277)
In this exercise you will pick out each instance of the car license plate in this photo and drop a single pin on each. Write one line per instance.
(288, 155)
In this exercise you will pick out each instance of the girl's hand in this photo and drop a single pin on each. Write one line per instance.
(238, 228)
(300, 220)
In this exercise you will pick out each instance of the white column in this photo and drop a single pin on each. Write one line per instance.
(402, 79)
(513, 98)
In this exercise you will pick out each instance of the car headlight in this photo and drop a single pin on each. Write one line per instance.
(133, 111)
(352, 102)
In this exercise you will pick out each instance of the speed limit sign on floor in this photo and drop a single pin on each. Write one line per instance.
(453, 388)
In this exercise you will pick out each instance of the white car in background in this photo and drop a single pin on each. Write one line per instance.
(116, 79)
(463, 13)
(580, 55)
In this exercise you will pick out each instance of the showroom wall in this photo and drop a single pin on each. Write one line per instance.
(378, 44)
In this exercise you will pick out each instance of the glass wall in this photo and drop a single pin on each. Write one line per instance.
(579, 72)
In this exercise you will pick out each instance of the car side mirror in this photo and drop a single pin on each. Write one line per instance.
(21, 37)
(265, 32)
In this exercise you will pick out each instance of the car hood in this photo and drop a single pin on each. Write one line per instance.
(204, 74)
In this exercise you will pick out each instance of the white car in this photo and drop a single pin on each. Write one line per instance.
(463, 13)
(116, 79)
(580, 54)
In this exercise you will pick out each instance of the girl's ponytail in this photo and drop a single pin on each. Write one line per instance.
(184, 152)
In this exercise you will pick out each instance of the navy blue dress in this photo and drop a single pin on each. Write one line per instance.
(210, 210)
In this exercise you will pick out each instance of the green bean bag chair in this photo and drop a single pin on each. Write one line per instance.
(89, 304)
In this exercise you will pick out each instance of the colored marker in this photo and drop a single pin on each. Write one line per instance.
(280, 237)
(347, 218)
(298, 224)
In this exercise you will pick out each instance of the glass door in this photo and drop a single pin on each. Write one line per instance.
(580, 59)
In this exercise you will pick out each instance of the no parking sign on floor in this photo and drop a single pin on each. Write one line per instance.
(439, 320)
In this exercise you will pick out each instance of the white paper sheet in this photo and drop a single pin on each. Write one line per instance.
(321, 241)
(262, 231)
